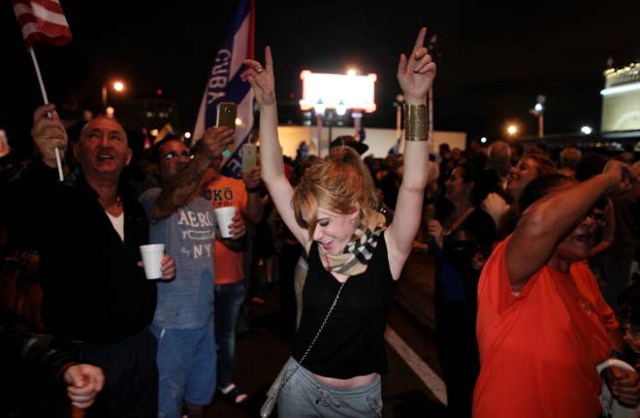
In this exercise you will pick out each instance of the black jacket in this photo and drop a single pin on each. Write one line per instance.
(19, 341)
(93, 289)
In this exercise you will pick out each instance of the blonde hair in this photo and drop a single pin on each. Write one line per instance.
(340, 183)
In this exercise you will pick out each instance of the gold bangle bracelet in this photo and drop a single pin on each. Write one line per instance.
(415, 122)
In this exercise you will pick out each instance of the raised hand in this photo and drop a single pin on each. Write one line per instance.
(417, 72)
(624, 177)
(261, 78)
(251, 178)
(48, 133)
(215, 141)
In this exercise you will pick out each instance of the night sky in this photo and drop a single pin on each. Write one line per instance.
(494, 57)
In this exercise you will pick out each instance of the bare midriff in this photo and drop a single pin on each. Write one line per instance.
(352, 382)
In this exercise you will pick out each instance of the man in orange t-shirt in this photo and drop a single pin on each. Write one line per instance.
(229, 274)
(542, 323)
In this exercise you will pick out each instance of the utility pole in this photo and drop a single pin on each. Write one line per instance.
(538, 111)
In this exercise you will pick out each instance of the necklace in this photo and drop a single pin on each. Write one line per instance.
(115, 208)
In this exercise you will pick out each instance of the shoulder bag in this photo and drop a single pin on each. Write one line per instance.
(280, 380)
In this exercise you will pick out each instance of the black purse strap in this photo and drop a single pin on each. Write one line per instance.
(326, 318)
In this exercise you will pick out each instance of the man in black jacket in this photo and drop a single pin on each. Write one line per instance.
(94, 291)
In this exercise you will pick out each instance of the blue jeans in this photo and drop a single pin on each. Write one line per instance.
(187, 365)
(229, 298)
(304, 397)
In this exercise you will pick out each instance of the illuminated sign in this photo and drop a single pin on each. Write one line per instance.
(621, 96)
(338, 90)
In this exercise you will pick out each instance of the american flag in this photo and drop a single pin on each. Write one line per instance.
(224, 84)
(42, 21)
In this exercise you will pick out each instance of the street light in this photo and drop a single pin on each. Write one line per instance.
(586, 130)
(327, 116)
(335, 116)
(117, 86)
(356, 115)
(320, 108)
(512, 130)
(538, 111)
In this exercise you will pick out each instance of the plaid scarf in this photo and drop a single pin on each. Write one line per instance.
(358, 252)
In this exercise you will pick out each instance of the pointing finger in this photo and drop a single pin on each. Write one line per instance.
(419, 41)
(268, 59)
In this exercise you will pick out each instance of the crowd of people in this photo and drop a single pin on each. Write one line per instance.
(530, 298)
(534, 251)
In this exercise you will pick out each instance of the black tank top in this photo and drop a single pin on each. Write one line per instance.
(352, 342)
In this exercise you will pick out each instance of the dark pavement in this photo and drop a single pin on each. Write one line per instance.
(404, 394)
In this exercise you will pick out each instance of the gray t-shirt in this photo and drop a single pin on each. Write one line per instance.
(185, 302)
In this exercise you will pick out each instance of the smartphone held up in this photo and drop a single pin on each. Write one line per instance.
(226, 113)
(249, 155)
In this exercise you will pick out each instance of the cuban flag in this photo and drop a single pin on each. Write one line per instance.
(42, 21)
(224, 84)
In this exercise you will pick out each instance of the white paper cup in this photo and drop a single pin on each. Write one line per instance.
(224, 216)
(152, 260)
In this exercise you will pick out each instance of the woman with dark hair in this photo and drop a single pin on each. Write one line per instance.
(455, 240)
(528, 167)
(542, 324)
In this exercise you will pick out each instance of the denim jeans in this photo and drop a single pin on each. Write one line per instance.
(229, 298)
(187, 366)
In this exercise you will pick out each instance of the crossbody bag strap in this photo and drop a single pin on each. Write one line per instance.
(324, 322)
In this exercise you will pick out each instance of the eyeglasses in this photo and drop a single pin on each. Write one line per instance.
(173, 154)
(597, 216)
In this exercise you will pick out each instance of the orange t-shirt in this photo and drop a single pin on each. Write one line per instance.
(539, 349)
(221, 192)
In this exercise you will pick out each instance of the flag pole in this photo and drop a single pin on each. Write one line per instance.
(46, 101)
(37, 67)
(236, 46)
